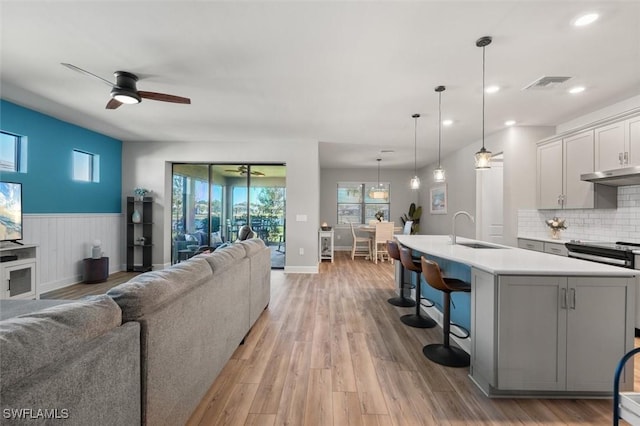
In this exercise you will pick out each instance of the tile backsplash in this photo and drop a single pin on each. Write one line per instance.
(621, 224)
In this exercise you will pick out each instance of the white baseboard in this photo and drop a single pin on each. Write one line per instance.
(58, 284)
(301, 269)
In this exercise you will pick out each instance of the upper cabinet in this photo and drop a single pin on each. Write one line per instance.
(560, 162)
(617, 145)
(606, 145)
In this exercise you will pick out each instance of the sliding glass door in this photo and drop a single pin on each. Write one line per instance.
(211, 202)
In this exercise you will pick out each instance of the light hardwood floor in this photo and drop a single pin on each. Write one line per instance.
(329, 350)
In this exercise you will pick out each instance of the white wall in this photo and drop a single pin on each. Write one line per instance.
(148, 164)
(65, 239)
(601, 114)
(401, 196)
(518, 144)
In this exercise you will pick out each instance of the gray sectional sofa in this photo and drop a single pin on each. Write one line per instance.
(191, 317)
(75, 360)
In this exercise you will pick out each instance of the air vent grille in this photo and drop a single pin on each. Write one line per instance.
(546, 83)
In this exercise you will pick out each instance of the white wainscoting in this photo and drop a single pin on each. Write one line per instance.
(64, 240)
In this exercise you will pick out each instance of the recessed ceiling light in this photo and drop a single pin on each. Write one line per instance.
(492, 89)
(510, 122)
(576, 89)
(447, 122)
(586, 19)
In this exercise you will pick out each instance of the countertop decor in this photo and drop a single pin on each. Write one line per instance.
(556, 224)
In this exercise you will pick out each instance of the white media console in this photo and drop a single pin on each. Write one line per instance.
(19, 274)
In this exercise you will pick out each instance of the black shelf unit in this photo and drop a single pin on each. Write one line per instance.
(137, 230)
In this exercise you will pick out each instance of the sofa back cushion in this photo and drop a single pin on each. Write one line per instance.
(35, 340)
(225, 257)
(252, 246)
(150, 291)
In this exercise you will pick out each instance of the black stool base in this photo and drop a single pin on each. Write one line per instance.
(449, 356)
(403, 302)
(417, 321)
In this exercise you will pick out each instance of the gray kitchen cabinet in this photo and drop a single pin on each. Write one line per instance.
(560, 162)
(547, 327)
(617, 145)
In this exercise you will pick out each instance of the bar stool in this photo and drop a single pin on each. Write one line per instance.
(414, 320)
(394, 253)
(443, 353)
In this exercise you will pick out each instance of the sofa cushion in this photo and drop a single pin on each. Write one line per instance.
(252, 246)
(47, 335)
(149, 291)
(225, 257)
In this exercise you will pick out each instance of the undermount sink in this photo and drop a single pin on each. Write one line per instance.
(478, 246)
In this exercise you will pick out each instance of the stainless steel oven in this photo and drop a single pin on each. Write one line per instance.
(625, 255)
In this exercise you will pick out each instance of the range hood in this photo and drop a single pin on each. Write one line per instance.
(616, 177)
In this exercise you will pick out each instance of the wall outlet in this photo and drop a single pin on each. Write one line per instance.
(301, 251)
(338, 236)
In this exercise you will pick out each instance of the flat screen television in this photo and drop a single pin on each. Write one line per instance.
(10, 211)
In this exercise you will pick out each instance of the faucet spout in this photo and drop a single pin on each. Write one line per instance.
(453, 223)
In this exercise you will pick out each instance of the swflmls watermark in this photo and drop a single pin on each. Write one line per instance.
(35, 413)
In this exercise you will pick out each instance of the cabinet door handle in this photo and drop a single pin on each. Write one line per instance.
(620, 158)
(573, 298)
(626, 157)
(563, 298)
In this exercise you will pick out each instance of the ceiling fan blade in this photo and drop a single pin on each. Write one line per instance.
(85, 72)
(257, 173)
(163, 97)
(113, 104)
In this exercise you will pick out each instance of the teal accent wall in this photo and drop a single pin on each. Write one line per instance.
(47, 186)
(461, 306)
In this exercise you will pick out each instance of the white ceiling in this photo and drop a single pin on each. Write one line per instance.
(346, 74)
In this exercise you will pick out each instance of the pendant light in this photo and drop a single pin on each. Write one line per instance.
(415, 180)
(378, 192)
(483, 157)
(438, 173)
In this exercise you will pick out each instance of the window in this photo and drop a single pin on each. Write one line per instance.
(356, 206)
(13, 153)
(86, 166)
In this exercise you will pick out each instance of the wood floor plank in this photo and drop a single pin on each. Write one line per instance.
(236, 410)
(294, 392)
(371, 399)
(342, 375)
(346, 409)
(319, 403)
(260, 420)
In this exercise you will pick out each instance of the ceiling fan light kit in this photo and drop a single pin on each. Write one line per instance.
(125, 91)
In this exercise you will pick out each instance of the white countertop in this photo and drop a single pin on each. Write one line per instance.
(509, 260)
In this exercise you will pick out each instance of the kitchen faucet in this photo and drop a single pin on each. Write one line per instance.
(453, 224)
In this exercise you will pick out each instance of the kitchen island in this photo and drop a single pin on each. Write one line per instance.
(541, 324)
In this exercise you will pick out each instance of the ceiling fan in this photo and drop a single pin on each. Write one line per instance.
(124, 91)
(242, 170)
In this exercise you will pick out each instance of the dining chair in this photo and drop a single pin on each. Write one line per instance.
(384, 232)
(407, 227)
(357, 248)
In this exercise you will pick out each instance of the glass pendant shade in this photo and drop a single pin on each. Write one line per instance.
(483, 159)
(438, 175)
(378, 192)
(415, 182)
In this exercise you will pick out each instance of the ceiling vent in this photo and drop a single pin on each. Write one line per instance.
(546, 83)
